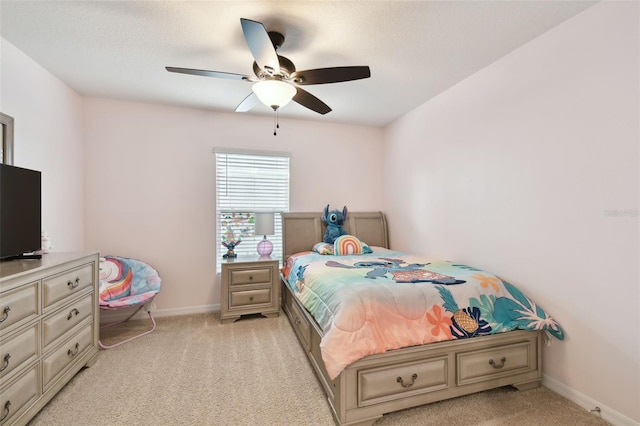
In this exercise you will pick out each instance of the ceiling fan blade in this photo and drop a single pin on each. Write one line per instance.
(248, 103)
(260, 45)
(307, 100)
(331, 75)
(206, 73)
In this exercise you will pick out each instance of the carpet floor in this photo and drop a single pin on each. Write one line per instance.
(194, 371)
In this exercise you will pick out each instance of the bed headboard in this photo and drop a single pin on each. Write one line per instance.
(300, 231)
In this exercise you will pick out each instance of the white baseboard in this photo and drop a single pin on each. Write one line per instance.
(606, 413)
(190, 310)
(111, 316)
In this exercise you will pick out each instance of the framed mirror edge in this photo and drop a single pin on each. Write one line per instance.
(7, 138)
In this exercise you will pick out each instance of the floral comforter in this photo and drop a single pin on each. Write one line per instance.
(372, 303)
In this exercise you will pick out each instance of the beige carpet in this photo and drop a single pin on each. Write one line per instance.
(194, 371)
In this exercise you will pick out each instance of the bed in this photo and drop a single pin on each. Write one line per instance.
(361, 383)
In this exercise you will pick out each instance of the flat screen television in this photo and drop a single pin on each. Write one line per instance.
(20, 211)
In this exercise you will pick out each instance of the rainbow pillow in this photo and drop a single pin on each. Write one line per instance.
(349, 244)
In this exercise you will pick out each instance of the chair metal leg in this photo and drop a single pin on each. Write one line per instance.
(153, 321)
(111, 324)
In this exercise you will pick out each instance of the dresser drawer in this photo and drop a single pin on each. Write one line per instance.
(18, 305)
(250, 297)
(65, 319)
(18, 349)
(481, 365)
(60, 358)
(388, 383)
(19, 395)
(250, 276)
(68, 283)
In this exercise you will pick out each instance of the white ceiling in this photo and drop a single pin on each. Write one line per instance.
(415, 49)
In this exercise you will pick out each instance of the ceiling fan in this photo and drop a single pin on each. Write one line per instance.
(276, 80)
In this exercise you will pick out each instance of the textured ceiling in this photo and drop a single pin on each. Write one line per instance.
(415, 49)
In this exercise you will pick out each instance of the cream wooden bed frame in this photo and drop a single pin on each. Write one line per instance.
(407, 377)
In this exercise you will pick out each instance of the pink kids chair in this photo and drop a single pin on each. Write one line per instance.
(126, 285)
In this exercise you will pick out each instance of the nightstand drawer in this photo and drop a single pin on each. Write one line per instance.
(251, 276)
(250, 297)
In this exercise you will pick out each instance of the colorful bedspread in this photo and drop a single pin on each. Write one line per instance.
(372, 303)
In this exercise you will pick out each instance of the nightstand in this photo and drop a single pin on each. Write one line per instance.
(250, 285)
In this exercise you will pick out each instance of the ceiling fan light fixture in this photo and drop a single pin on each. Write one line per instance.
(274, 93)
(277, 78)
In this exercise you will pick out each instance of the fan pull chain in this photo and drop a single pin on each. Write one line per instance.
(276, 124)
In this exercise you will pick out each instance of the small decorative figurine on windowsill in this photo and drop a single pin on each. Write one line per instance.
(229, 240)
(230, 245)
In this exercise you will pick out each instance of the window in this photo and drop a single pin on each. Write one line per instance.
(246, 183)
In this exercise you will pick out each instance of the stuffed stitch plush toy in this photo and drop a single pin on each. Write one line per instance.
(334, 220)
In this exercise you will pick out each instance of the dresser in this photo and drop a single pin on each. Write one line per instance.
(49, 329)
(250, 285)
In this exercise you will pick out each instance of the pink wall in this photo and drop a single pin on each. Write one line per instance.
(48, 137)
(150, 183)
(518, 170)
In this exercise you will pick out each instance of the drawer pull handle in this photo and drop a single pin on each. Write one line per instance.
(250, 298)
(407, 385)
(5, 313)
(74, 284)
(297, 321)
(250, 277)
(73, 312)
(6, 411)
(75, 351)
(497, 366)
(5, 364)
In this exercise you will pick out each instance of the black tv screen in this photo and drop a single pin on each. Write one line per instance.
(20, 211)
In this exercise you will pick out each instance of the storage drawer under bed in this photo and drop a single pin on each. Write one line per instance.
(387, 383)
(499, 361)
(298, 321)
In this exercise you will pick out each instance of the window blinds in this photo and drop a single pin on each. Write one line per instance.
(247, 183)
